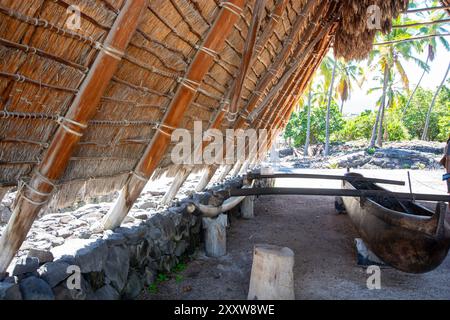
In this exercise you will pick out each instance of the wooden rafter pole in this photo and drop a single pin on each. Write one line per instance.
(428, 9)
(35, 194)
(289, 78)
(294, 80)
(246, 60)
(281, 121)
(417, 24)
(185, 171)
(204, 58)
(412, 39)
(264, 83)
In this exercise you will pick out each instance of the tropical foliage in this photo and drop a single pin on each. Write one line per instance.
(402, 111)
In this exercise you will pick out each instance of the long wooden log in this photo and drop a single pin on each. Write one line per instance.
(335, 192)
(275, 18)
(282, 120)
(281, 58)
(265, 81)
(35, 194)
(281, 175)
(180, 178)
(249, 48)
(290, 82)
(183, 97)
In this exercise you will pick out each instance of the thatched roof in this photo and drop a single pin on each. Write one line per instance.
(43, 66)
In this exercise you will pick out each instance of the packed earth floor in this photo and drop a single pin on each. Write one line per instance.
(323, 243)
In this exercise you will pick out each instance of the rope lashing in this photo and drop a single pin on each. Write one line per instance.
(208, 51)
(190, 84)
(139, 176)
(232, 8)
(113, 52)
(61, 121)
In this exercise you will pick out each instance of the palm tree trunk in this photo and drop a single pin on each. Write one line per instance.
(427, 122)
(415, 89)
(381, 109)
(308, 126)
(342, 105)
(330, 97)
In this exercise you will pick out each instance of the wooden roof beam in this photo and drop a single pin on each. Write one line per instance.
(249, 53)
(36, 193)
(265, 81)
(185, 171)
(204, 58)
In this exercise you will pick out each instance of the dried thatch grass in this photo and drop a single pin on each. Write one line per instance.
(41, 70)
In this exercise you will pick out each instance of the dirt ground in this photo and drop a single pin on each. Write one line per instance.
(325, 257)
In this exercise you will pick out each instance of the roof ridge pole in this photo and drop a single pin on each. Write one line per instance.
(36, 194)
(230, 13)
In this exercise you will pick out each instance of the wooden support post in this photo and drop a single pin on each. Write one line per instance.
(247, 207)
(225, 171)
(208, 174)
(216, 235)
(3, 192)
(244, 168)
(36, 193)
(185, 94)
(236, 168)
(272, 276)
(180, 178)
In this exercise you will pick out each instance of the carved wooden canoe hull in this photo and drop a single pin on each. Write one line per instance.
(403, 234)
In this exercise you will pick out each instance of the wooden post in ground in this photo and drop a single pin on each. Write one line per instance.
(3, 192)
(247, 207)
(206, 177)
(38, 191)
(186, 91)
(225, 171)
(216, 235)
(272, 276)
(180, 178)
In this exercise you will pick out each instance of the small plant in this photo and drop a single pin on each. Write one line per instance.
(406, 166)
(421, 166)
(333, 165)
(179, 278)
(180, 267)
(370, 151)
(153, 288)
(162, 277)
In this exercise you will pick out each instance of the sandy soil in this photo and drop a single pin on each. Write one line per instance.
(325, 257)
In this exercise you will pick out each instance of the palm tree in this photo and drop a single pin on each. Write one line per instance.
(330, 97)
(389, 60)
(431, 45)
(308, 125)
(433, 102)
(347, 74)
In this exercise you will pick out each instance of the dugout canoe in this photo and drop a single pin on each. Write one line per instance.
(402, 233)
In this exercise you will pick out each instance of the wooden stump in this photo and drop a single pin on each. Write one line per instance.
(272, 276)
(247, 209)
(216, 235)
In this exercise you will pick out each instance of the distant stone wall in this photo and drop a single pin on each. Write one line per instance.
(116, 266)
